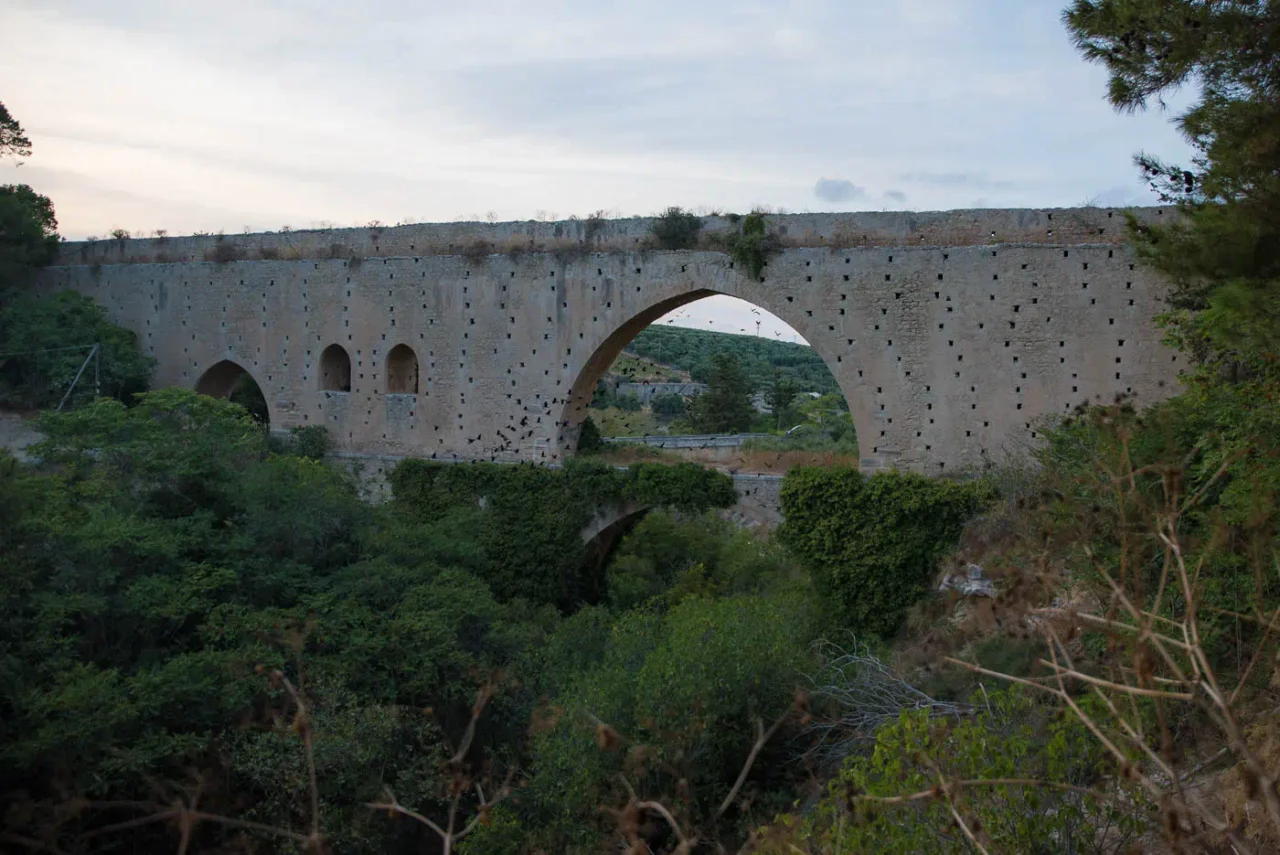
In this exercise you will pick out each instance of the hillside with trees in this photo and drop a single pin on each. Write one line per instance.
(692, 351)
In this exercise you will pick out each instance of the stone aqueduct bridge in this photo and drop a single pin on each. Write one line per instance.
(950, 333)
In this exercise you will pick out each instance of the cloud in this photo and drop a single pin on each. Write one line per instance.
(569, 106)
(955, 179)
(838, 190)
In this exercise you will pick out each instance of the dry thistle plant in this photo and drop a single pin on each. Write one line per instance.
(648, 824)
(1114, 572)
(463, 782)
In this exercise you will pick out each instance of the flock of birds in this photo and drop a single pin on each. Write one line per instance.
(682, 314)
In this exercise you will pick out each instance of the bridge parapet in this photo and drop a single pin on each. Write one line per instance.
(477, 240)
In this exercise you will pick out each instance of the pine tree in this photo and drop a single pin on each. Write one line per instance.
(779, 396)
(726, 405)
(1223, 252)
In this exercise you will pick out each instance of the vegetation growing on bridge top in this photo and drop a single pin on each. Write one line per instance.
(675, 228)
(750, 244)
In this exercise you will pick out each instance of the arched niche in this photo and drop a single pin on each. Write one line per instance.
(335, 369)
(402, 371)
(229, 379)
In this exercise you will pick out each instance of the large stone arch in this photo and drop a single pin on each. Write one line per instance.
(220, 379)
(667, 299)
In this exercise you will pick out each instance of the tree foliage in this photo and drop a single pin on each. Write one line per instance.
(692, 350)
(41, 330)
(675, 228)
(912, 754)
(13, 141)
(527, 541)
(751, 244)
(726, 405)
(28, 232)
(1223, 252)
(160, 562)
(872, 542)
(668, 406)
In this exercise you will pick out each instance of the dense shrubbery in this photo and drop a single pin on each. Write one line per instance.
(675, 228)
(751, 245)
(161, 563)
(1012, 737)
(43, 329)
(873, 542)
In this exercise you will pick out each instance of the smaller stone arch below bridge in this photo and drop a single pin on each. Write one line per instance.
(229, 379)
(608, 526)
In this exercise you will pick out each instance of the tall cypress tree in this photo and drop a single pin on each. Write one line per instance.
(726, 405)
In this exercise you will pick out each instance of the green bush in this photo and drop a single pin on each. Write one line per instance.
(526, 540)
(589, 438)
(675, 228)
(667, 406)
(751, 245)
(872, 543)
(682, 690)
(912, 754)
(669, 556)
(311, 441)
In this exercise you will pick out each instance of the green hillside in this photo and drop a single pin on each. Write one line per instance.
(691, 350)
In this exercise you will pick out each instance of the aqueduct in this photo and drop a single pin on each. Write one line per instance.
(951, 334)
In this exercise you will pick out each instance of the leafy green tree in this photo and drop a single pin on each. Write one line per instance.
(13, 141)
(778, 397)
(668, 406)
(28, 232)
(1222, 254)
(726, 405)
(41, 329)
(589, 438)
(628, 403)
(28, 228)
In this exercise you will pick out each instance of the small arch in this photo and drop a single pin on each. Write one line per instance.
(335, 369)
(230, 380)
(402, 371)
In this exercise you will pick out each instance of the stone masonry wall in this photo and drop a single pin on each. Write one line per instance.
(951, 334)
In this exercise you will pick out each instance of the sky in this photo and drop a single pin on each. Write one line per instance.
(256, 114)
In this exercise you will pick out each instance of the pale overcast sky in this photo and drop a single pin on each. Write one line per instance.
(149, 114)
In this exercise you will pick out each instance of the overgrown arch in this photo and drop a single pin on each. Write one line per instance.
(231, 380)
(402, 371)
(335, 369)
(575, 404)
